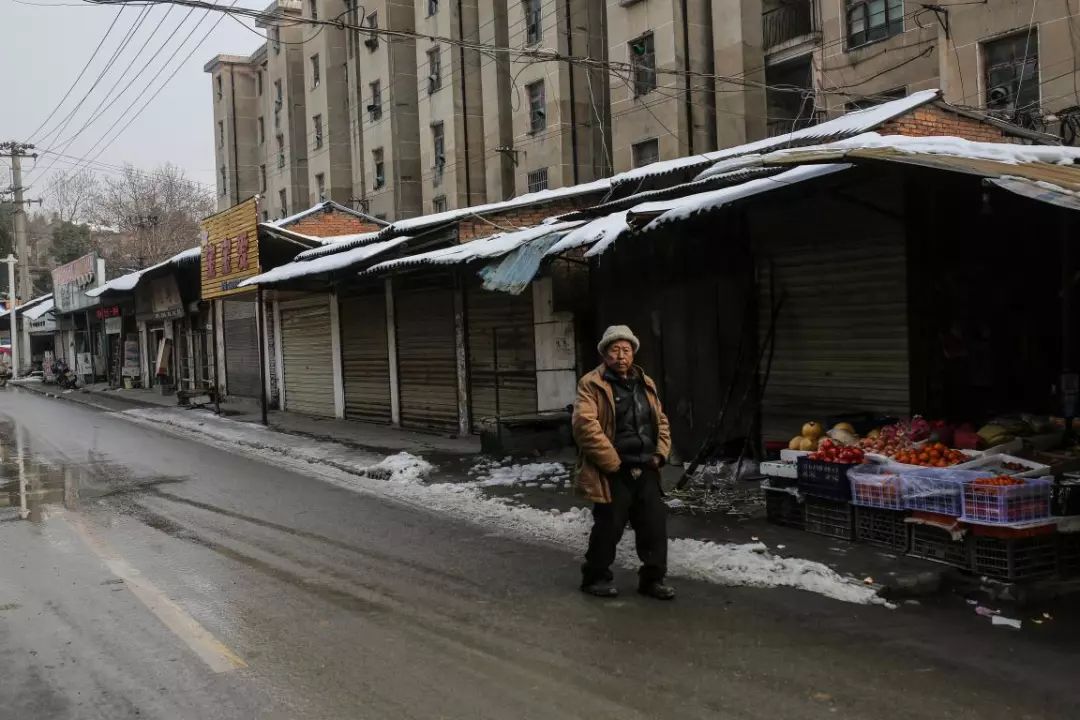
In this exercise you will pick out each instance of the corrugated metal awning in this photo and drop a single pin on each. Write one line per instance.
(1041, 191)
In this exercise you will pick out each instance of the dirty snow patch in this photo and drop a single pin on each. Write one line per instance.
(504, 473)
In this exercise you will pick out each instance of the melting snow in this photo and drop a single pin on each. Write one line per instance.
(327, 263)
(405, 478)
(129, 281)
(604, 231)
(493, 473)
(337, 243)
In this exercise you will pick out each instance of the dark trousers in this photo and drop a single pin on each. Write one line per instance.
(638, 501)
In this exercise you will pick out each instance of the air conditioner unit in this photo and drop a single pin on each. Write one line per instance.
(372, 43)
(999, 94)
(374, 108)
(541, 112)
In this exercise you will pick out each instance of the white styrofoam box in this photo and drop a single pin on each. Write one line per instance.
(992, 463)
(779, 469)
(792, 455)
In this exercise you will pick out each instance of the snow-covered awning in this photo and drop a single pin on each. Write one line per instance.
(29, 305)
(413, 226)
(600, 233)
(39, 309)
(1038, 190)
(485, 248)
(329, 263)
(128, 282)
(850, 124)
(323, 206)
(338, 243)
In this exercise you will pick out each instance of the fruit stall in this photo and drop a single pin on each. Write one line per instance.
(998, 501)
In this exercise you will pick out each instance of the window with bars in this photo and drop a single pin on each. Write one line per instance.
(278, 101)
(534, 31)
(282, 202)
(372, 42)
(313, 9)
(275, 33)
(643, 64)
(537, 110)
(224, 181)
(220, 94)
(1011, 70)
(221, 133)
(646, 152)
(872, 20)
(262, 178)
(315, 73)
(316, 123)
(438, 204)
(262, 130)
(432, 7)
(320, 185)
(280, 150)
(378, 169)
(259, 83)
(434, 69)
(374, 108)
(538, 180)
(438, 142)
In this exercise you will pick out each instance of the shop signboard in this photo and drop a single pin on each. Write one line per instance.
(104, 313)
(132, 364)
(114, 325)
(71, 281)
(43, 325)
(159, 300)
(230, 250)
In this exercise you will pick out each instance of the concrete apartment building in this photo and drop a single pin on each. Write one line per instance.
(404, 126)
(545, 123)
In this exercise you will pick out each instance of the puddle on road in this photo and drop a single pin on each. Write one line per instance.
(30, 480)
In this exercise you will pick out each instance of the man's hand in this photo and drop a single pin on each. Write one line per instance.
(655, 462)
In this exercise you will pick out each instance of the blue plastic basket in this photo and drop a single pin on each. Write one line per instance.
(876, 486)
(936, 490)
(1007, 504)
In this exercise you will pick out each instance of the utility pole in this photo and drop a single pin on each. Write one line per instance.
(10, 261)
(16, 151)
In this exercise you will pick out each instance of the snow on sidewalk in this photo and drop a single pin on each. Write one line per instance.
(408, 479)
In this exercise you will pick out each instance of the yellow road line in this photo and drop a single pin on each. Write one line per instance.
(211, 650)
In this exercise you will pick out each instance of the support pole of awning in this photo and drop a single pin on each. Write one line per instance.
(260, 314)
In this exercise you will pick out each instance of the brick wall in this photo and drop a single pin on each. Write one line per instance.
(932, 120)
(332, 222)
(522, 217)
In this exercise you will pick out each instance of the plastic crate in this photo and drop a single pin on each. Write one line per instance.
(1069, 555)
(824, 479)
(1007, 504)
(885, 528)
(936, 490)
(937, 545)
(784, 508)
(832, 518)
(874, 486)
(1015, 558)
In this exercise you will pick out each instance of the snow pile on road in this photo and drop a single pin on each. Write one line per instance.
(491, 473)
(402, 477)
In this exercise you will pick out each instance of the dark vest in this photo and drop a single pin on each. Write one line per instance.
(635, 431)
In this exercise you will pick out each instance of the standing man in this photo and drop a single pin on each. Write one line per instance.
(623, 440)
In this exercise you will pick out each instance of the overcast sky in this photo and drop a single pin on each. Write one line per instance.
(45, 45)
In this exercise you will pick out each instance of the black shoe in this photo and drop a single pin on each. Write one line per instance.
(657, 590)
(601, 589)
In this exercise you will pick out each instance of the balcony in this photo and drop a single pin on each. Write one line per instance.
(788, 22)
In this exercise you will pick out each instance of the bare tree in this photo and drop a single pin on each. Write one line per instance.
(157, 215)
(70, 195)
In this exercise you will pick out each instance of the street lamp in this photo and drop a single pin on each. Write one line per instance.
(11, 261)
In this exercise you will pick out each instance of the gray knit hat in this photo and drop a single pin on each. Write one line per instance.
(617, 332)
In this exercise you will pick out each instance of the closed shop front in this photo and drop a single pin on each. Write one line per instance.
(842, 332)
(427, 355)
(241, 334)
(307, 356)
(365, 356)
(502, 355)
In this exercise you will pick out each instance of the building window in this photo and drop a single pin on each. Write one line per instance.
(643, 64)
(277, 103)
(438, 204)
(259, 83)
(220, 94)
(284, 205)
(221, 133)
(262, 130)
(438, 142)
(315, 76)
(1012, 74)
(316, 123)
(375, 106)
(379, 168)
(280, 150)
(275, 33)
(224, 181)
(534, 31)
(262, 178)
(537, 112)
(538, 180)
(646, 152)
(434, 70)
(265, 216)
(872, 20)
(432, 7)
(320, 185)
(313, 9)
(372, 21)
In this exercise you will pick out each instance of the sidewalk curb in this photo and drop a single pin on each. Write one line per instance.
(82, 397)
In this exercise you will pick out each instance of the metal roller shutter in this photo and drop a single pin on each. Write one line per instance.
(427, 357)
(500, 325)
(842, 334)
(306, 358)
(241, 349)
(365, 357)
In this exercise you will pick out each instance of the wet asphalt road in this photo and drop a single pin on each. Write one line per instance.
(159, 578)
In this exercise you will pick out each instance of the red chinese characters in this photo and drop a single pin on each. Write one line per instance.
(226, 257)
(211, 260)
(242, 252)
